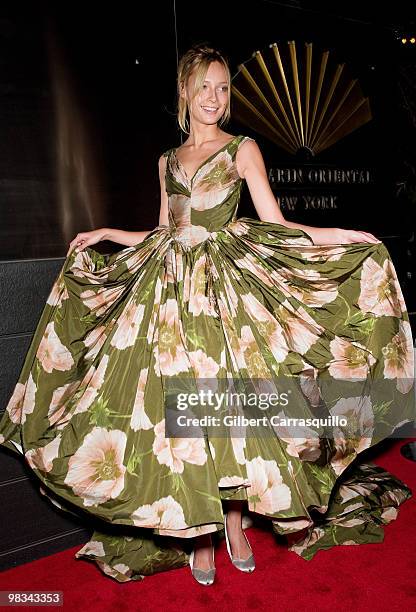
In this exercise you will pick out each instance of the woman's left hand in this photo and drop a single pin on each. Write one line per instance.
(346, 236)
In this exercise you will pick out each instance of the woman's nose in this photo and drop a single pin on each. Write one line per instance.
(212, 95)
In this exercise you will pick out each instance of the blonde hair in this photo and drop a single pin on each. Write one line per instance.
(198, 58)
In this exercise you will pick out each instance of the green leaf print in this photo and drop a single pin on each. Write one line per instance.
(177, 482)
(381, 408)
(99, 261)
(253, 500)
(323, 477)
(38, 371)
(362, 321)
(135, 459)
(60, 314)
(333, 531)
(88, 318)
(215, 500)
(145, 295)
(118, 543)
(197, 340)
(100, 413)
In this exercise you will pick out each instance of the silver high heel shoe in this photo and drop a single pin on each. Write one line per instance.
(202, 576)
(245, 565)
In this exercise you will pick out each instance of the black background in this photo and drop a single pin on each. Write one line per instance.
(118, 64)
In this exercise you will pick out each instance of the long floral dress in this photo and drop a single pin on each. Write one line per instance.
(214, 297)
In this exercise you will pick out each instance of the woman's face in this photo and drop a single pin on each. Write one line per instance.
(210, 103)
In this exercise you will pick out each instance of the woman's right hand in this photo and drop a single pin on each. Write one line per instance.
(84, 239)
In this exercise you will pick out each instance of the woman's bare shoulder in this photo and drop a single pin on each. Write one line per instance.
(247, 147)
(162, 162)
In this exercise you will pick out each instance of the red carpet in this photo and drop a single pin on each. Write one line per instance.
(371, 576)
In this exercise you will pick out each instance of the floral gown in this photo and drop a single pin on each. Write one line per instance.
(212, 296)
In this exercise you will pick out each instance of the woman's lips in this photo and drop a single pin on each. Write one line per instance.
(210, 110)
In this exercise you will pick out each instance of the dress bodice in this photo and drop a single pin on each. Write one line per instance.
(207, 201)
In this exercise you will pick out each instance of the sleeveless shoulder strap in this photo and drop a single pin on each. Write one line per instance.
(238, 142)
(167, 153)
(243, 139)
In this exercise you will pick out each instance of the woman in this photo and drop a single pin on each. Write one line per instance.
(208, 296)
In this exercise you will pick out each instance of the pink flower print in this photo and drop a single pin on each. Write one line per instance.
(96, 470)
(267, 325)
(308, 383)
(191, 235)
(239, 444)
(204, 365)
(357, 434)
(22, 402)
(58, 293)
(92, 382)
(52, 354)
(199, 302)
(139, 418)
(351, 359)
(155, 310)
(237, 227)
(98, 302)
(300, 330)
(215, 179)
(380, 291)
(399, 358)
(175, 452)
(42, 458)
(311, 289)
(251, 263)
(233, 481)
(83, 267)
(60, 399)
(310, 540)
(164, 513)
(96, 338)
(267, 492)
(128, 326)
(322, 253)
(249, 355)
(170, 353)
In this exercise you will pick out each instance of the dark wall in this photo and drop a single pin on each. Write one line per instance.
(31, 526)
(88, 105)
(89, 97)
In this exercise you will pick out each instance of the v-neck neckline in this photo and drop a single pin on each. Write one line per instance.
(190, 180)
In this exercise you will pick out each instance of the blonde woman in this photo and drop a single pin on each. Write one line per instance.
(208, 295)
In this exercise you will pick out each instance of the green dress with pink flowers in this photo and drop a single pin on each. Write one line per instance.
(213, 298)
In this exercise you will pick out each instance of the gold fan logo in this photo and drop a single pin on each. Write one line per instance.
(298, 101)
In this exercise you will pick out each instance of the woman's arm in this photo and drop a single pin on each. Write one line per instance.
(250, 166)
(86, 239)
(124, 237)
(164, 211)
